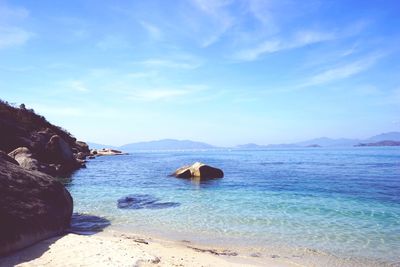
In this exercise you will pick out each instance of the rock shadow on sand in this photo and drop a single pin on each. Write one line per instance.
(81, 224)
(86, 224)
(144, 201)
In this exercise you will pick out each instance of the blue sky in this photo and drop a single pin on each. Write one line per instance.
(224, 72)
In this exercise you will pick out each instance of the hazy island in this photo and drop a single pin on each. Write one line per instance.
(381, 143)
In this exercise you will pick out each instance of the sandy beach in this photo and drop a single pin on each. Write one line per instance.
(122, 249)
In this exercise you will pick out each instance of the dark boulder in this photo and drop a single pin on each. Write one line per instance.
(58, 150)
(33, 206)
(5, 157)
(82, 147)
(199, 170)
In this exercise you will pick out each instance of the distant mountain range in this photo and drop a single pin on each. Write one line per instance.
(379, 139)
(381, 143)
(173, 144)
(166, 144)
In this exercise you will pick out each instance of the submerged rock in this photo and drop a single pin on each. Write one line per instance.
(200, 170)
(144, 201)
(33, 206)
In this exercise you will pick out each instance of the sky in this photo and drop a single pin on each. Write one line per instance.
(218, 71)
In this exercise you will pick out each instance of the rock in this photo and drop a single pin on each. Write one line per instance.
(24, 158)
(183, 172)
(33, 206)
(80, 155)
(200, 170)
(59, 150)
(51, 147)
(144, 201)
(108, 152)
(82, 147)
(4, 156)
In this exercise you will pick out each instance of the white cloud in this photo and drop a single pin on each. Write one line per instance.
(343, 71)
(12, 14)
(393, 97)
(112, 42)
(211, 6)
(13, 36)
(150, 95)
(77, 85)
(168, 63)
(141, 74)
(300, 39)
(153, 31)
(217, 22)
(165, 93)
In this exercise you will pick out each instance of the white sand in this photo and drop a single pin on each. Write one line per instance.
(123, 249)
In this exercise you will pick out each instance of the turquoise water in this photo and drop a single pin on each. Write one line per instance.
(345, 202)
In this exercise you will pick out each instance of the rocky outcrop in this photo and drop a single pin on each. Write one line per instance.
(33, 205)
(106, 152)
(41, 145)
(200, 170)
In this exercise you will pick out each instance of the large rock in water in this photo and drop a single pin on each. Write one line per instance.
(33, 206)
(200, 170)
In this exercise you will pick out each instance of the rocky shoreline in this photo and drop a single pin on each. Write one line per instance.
(37, 144)
(34, 205)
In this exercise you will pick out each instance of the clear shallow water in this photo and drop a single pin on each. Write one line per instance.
(342, 201)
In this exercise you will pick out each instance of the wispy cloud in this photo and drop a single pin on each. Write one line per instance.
(12, 14)
(259, 9)
(113, 42)
(300, 39)
(177, 63)
(141, 74)
(343, 71)
(11, 34)
(393, 97)
(219, 18)
(153, 31)
(76, 85)
(165, 93)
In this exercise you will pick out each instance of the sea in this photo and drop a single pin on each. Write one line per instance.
(336, 206)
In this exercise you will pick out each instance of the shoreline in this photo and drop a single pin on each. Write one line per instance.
(114, 248)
